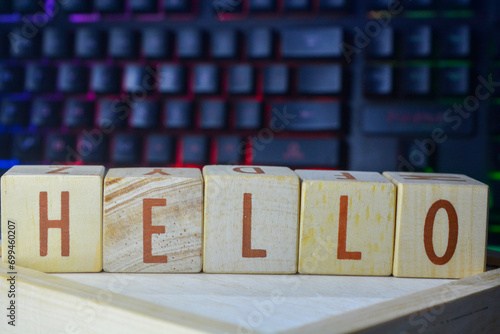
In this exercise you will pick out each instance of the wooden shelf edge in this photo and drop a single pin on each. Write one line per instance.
(469, 305)
(77, 305)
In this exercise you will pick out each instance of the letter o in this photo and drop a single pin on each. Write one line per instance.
(452, 234)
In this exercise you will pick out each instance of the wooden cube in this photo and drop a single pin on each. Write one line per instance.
(251, 220)
(441, 225)
(56, 213)
(346, 223)
(152, 220)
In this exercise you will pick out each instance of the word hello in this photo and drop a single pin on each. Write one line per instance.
(245, 219)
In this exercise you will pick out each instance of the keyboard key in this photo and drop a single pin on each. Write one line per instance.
(76, 6)
(379, 80)
(155, 44)
(456, 4)
(332, 4)
(4, 46)
(39, 78)
(260, 43)
(109, 6)
(45, 113)
(78, 113)
(112, 114)
(229, 150)
(89, 43)
(14, 112)
(56, 43)
(5, 6)
(122, 43)
(227, 7)
(58, 147)
(418, 4)
(306, 116)
(29, 6)
(414, 119)
(106, 79)
(177, 6)
(312, 42)
(27, 148)
(494, 121)
(418, 42)
(224, 44)
(145, 114)
(241, 79)
(178, 114)
(92, 147)
(11, 79)
(248, 115)
(126, 149)
(22, 47)
(320, 79)
(382, 44)
(6, 147)
(297, 5)
(409, 149)
(213, 115)
(454, 80)
(417, 80)
(206, 79)
(72, 79)
(143, 6)
(189, 43)
(172, 79)
(160, 149)
(456, 42)
(262, 5)
(297, 152)
(139, 79)
(380, 4)
(194, 149)
(276, 79)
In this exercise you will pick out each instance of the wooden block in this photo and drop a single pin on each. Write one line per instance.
(441, 225)
(346, 223)
(251, 219)
(56, 212)
(153, 220)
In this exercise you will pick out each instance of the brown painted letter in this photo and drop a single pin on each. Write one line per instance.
(347, 176)
(342, 253)
(452, 234)
(59, 171)
(149, 230)
(247, 229)
(157, 171)
(63, 223)
(256, 170)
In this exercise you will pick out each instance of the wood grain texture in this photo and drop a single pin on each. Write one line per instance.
(441, 225)
(57, 214)
(152, 220)
(251, 219)
(346, 223)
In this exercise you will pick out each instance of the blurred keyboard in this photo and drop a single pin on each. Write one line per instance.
(350, 84)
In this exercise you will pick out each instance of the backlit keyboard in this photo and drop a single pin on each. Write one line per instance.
(361, 85)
